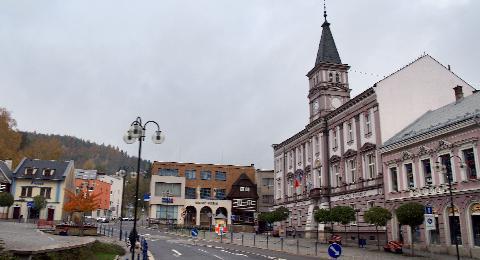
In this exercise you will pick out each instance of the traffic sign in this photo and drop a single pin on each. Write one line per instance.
(428, 210)
(146, 197)
(334, 250)
(194, 232)
(30, 204)
(430, 222)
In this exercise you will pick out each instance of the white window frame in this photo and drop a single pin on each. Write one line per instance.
(367, 165)
(335, 175)
(390, 179)
(443, 176)
(334, 139)
(351, 170)
(422, 171)
(407, 184)
(350, 131)
(475, 157)
(368, 123)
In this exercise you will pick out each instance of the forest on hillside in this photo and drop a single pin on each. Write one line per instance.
(15, 145)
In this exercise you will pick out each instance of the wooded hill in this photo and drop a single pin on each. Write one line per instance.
(86, 154)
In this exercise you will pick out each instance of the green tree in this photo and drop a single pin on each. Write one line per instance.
(323, 216)
(39, 202)
(411, 214)
(6, 200)
(379, 217)
(343, 215)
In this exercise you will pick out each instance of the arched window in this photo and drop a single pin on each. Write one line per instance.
(475, 211)
(330, 77)
(337, 77)
(454, 226)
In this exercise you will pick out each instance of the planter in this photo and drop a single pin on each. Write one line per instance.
(74, 230)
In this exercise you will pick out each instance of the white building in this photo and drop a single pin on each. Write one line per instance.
(116, 191)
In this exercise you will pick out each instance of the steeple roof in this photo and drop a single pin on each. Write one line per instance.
(327, 51)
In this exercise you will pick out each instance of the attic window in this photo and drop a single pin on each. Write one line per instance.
(48, 172)
(30, 171)
(330, 77)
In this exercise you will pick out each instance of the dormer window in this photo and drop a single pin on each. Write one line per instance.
(30, 171)
(330, 77)
(48, 172)
(337, 77)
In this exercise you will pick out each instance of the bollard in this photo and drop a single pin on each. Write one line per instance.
(111, 232)
(242, 239)
(267, 240)
(221, 237)
(204, 234)
(316, 248)
(298, 251)
(281, 244)
(121, 235)
(253, 239)
(231, 238)
(104, 230)
(126, 236)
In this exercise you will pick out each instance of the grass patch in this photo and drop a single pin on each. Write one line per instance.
(95, 251)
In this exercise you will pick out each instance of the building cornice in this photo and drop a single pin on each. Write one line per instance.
(430, 134)
(368, 92)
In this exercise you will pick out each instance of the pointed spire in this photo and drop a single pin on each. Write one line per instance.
(327, 50)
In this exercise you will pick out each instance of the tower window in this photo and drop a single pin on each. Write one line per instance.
(330, 77)
(337, 77)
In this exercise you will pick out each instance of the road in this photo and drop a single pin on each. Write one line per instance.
(165, 247)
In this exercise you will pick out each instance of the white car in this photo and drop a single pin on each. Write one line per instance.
(102, 219)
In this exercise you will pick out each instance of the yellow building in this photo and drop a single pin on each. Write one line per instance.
(47, 178)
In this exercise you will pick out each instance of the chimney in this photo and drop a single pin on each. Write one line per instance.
(458, 92)
(449, 67)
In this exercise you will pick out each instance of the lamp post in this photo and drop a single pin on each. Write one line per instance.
(124, 173)
(137, 132)
(448, 173)
(358, 227)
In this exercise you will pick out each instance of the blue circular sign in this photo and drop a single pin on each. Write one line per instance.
(194, 232)
(430, 221)
(334, 250)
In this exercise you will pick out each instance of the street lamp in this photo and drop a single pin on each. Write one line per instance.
(137, 132)
(439, 166)
(123, 171)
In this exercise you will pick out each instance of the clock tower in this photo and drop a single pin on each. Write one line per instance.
(328, 80)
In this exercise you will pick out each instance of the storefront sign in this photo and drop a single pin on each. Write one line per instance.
(167, 200)
(206, 202)
(243, 203)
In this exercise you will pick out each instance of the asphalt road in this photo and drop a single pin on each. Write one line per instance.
(165, 247)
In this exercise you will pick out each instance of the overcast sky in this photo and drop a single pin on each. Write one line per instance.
(224, 79)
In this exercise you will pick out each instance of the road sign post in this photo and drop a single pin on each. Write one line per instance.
(335, 250)
(430, 222)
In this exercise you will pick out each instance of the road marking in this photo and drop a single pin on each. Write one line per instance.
(218, 257)
(176, 252)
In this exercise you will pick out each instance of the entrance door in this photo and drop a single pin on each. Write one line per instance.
(16, 212)
(50, 214)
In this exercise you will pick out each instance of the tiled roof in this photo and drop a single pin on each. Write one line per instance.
(60, 168)
(5, 173)
(327, 50)
(465, 108)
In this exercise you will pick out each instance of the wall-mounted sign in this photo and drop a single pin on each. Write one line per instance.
(206, 202)
(36, 182)
(243, 203)
(167, 200)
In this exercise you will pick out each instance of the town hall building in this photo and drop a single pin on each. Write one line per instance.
(334, 160)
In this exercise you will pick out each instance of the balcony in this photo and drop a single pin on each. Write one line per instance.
(318, 192)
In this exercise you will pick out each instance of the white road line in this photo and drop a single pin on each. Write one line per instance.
(176, 252)
(218, 257)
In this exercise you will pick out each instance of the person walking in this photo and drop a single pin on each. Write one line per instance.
(294, 232)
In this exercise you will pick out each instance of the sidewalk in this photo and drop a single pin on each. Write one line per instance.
(25, 239)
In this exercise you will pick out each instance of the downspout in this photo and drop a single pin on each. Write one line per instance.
(327, 168)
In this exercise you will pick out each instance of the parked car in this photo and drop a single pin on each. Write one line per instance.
(125, 219)
(394, 247)
(103, 220)
(335, 239)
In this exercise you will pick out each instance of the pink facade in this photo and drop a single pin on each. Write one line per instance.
(411, 174)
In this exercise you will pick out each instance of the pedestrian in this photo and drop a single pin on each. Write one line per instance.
(294, 232)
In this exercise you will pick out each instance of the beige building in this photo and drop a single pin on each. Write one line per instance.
(47, 178)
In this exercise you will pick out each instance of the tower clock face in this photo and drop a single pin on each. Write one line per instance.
(315, 105)
(336, 102)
